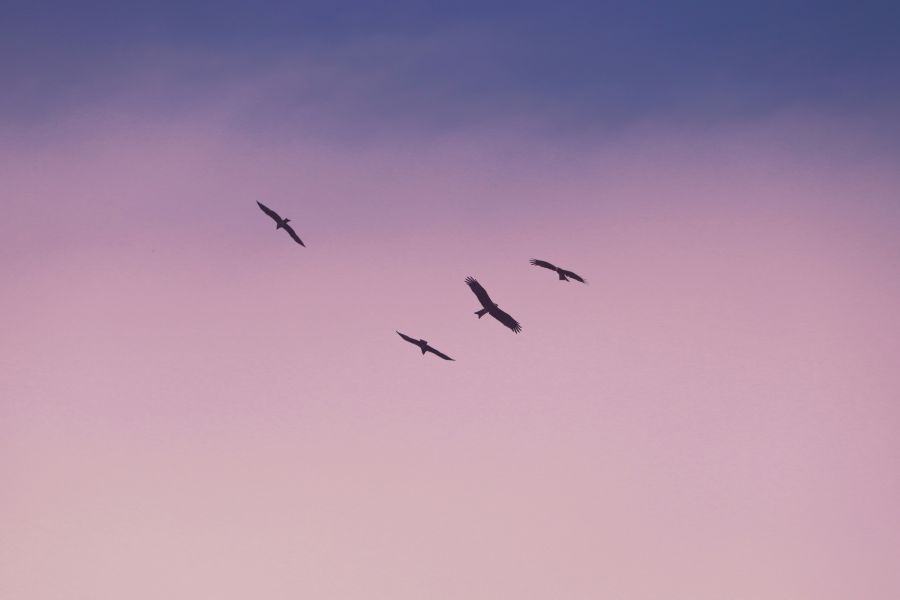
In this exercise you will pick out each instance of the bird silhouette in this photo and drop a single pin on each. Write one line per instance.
(563, 274)
(491, 307)
(424, 346)
(281, 223)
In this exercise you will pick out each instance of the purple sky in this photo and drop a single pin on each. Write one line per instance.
(192, 406)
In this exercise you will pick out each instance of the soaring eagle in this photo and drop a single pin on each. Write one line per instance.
(490, 307)
(563, 274)
(424, 346)
(281, 223)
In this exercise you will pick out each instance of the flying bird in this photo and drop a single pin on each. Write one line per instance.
(491, 307)
(424, 346)
(563, 274)
(281, 223)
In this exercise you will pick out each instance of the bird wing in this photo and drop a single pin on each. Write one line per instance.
(433, 351)
(480, 292)
(574, 276)
(543, 263)
(293, 234)
(269, 211)
(408, 339)
(505, 319)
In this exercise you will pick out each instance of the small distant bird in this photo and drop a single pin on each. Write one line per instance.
(563, 274)
(281, 223)
(491, 307)
(424, 346)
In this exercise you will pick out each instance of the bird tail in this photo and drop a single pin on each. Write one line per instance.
(562, 277)
(424, 350)
(481, 312)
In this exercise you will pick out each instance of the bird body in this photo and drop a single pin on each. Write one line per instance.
(281, 223)
(423, 346)
(564, 275)
(490, 307)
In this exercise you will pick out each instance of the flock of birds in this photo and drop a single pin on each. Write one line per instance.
(488, 306)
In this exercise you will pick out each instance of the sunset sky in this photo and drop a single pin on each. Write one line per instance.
(192, 406)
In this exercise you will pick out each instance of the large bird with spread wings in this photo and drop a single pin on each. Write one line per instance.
(281, 223)
(423, 345)
(563, 274)
(491, 307)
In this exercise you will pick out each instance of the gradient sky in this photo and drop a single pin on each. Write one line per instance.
(192, 406)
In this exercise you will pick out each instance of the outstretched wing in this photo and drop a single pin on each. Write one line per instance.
(269, 211)
(505, 319)
(433, 351)
(408, 339)
(480, 292)
(574, 276)
(293, 234)
(543, 263)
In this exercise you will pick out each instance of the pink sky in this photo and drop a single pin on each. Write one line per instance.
(194, 407)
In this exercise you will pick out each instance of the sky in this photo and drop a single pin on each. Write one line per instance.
(193, 406)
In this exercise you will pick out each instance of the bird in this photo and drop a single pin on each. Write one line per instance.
(563, 274)
(491, 307)
(424, 346)
(281, 223)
